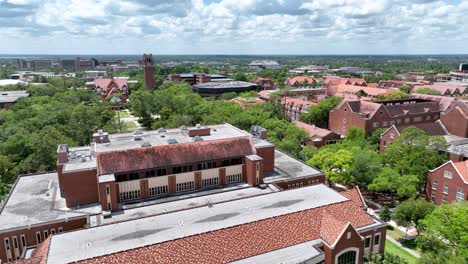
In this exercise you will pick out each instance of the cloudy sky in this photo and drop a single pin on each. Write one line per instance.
(233, 26)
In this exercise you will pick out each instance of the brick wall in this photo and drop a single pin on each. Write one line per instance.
(453, 184)
(79, 187)
(30, 235)
(455, 123)
(268, 156)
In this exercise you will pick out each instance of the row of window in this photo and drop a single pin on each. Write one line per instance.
(210, 182)
(158, 190)
(234, 178)
(460, 195)
(15, 243)
(130, 195)
(178, 169)
(398, 121)
(185, 186)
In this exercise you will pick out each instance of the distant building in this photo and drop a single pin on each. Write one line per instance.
(309, 69)
(67, 64)
(330, 81)
(89, 76)
(447, 89)
(9, 98)
(196, 78)
(448, 183)
(148, 71)
(220, 87)
(387, 84)
(364, 91)
(319, 137)
(455, 118)
(264, 64)
(292, 108)
(106, 87)
(302, 81)
(460, 75)
(372, 115)
(265, 83)
(84, 64)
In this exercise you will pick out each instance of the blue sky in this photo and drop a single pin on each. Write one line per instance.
(233, 26)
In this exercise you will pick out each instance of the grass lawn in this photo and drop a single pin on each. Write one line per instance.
(394, 232)
(395, 249)
(122, 114)
(129, 126)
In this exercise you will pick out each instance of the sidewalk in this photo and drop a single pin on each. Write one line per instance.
(412, 252)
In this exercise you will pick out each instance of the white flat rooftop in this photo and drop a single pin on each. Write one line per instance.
(35, 199)
(156, 138)
(288, 168)
(107, 239)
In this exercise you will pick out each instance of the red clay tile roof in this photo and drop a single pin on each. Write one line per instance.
(353, 89)
(342, 81)
(301, 80)
(105, 83)
(247, 240)
(312, 130)
(462, 167)
(444, 101)
(173, 154)
(39, 256)
(296, 101)
(355, 196)
(431, 128)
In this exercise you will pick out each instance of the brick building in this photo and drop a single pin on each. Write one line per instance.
(448, 183)
(106, 87)
(455, 118)
(265, 83)
(348, 89)
(319, 137)
(390, 135)
(129, 176)
(446, 89)
(302, 81)
(372, 115)
(148, 71)
(196, 78)
(331, 81)
(293, 107)
(313, 224)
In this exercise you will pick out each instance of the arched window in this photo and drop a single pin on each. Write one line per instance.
(348, 256)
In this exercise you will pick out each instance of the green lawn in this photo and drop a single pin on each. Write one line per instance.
(129, 126)
(397, 250)
(122, 114)
(394, 232)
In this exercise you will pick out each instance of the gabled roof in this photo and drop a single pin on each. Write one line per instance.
(109, 162)
(106, 83)
(312, 130)
(300, 80)
(355, 195)
(444, 101)
(461, 167)
(346, 88)
(351, 81)
(430, 128)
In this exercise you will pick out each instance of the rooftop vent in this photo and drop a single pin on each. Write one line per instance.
(198, 126)
(197, 138)
(183, 128)
(83, 158)
(100, 132)
(162, 130)
(171, 141)
(146, 144)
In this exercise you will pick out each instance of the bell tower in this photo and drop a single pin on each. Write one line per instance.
(148, 71)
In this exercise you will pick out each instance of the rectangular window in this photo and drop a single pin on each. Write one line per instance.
(398, 121)
(257, 166)
(368, 240)
(407, 120)
(107, 189)
(210, 182)
(7, 244)
(60, 229)
(385, 123)
(52, 231)
(428, 118)
(448, 174)
(460, 195)
(444, 200)
(375, 124)
(15, 242)
(234, 178)
(445, 188)
(185, 186)
(23, 242)
(376, 240)
(38, 237)
(158, 190)
(392, 123)
(433, 197)
(109, 207)
(417, 119)
(46, 234)
(434, 185)
(392, 136)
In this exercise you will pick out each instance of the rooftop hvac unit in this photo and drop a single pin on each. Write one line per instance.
(146, 144)
(197, 138)
(171, 141)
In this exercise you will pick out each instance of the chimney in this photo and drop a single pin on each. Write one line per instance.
(101, 137)
(62, 153)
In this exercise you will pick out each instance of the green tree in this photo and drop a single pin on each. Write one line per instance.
(391, 182)
(385, 214)
(386, 258)
(411, 211)
(308, 152)
(366, 165)
(374, 138)
(405, 88)
(318, 114)
(446, 231)
(335, 165)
